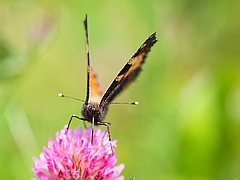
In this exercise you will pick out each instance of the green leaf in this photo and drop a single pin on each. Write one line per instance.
(132, 178)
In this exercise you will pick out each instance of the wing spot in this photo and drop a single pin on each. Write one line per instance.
(119, 78)
(130, 62)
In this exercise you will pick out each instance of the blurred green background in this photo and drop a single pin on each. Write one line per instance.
(187, 125)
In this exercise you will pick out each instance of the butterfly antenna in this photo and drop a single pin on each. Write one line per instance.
(129, 103)
(62, 95)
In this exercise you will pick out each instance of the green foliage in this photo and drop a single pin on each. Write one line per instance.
(132, 178)
(188, 121)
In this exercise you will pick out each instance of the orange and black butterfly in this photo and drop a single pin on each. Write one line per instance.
(96, 103)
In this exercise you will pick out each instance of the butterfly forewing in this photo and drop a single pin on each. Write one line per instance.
(94, 92)
(129, 72)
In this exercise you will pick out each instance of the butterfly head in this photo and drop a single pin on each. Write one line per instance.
(91, 110)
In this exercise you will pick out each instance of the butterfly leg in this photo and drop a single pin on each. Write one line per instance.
(74, 116)
(107, 124)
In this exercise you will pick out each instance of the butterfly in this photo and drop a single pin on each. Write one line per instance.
(96, 104)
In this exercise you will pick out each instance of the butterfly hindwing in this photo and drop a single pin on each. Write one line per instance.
(95, 91)
(129, 72)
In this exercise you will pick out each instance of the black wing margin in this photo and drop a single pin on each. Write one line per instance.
(129, 72)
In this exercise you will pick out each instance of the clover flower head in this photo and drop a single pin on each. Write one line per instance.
(72, 155)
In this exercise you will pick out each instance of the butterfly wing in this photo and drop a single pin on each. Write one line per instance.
(94, 92)
(129, 72)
